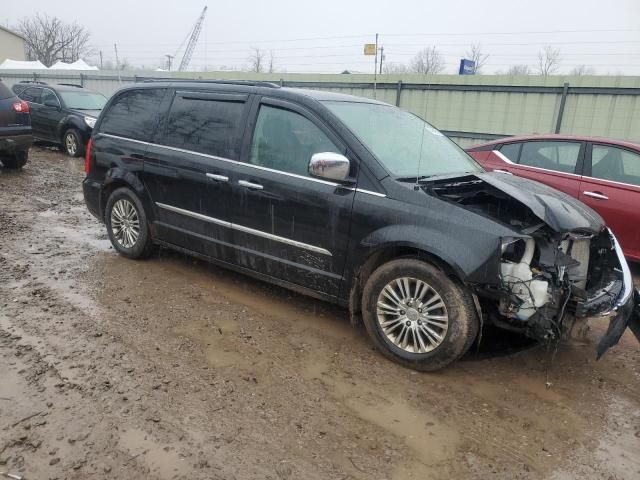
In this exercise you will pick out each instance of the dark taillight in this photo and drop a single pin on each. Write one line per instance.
(87, 156)
(20, 106)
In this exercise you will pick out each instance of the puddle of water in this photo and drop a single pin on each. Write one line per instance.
(165, 463)
(430, 441)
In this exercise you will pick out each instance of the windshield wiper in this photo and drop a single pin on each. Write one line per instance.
(418, 179)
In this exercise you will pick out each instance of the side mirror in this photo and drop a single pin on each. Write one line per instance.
(51, 102)
(330, 166)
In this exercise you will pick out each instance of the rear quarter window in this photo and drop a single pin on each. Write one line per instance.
(133, 114)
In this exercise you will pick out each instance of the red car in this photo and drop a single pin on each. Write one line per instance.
(603, 173)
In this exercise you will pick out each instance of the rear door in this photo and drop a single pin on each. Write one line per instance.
(187, 170)
(33, 96)
(554, 163)
(611, 186)
(288, 225)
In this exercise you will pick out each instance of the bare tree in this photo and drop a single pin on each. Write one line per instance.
(427, 61)
(393, 67)
(475, 54)
(583, 70)
(50, 39)
(548, 60)
(519, 70)
(257, 60)
(272, 62)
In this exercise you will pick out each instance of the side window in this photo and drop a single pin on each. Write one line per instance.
(134, 114)
(615, 164)
(557, 156)
(511, 151)
(205, 126)
(284, 140)
(49, 96)
(31, 95)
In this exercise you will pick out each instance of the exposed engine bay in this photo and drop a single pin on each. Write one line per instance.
(561, 263)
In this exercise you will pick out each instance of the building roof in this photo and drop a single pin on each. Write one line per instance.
(12, 32)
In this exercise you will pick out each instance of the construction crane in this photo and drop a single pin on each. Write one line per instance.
(193, 39)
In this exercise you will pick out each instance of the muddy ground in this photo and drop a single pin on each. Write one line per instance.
(172, 368)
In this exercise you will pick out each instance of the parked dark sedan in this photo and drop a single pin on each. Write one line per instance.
(62, 114)
(356, 202)
(15, 129)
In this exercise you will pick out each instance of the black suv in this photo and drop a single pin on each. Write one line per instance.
(62, 114)
(15, 129)
(356, 202)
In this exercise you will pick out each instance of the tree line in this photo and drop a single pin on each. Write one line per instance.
(50, 39)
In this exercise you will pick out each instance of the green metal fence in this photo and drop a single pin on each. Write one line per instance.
(468, 108)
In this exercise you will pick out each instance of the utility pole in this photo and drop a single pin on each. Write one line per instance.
(375, 69)
(169, 58)
(100, 59)
(115, 47)
(381, 58)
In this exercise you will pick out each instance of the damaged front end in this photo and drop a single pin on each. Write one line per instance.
(559, 267)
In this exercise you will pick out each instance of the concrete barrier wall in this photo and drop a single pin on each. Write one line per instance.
(470, 109)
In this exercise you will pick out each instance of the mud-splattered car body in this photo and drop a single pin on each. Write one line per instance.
(533, 258)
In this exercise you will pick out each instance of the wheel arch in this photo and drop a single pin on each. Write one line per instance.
(391, 251)
(118, 178)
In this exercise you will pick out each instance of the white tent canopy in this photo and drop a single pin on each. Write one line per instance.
(77, 65)
(9, 64)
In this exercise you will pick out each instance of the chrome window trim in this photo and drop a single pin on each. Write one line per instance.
(242, 228)
(506, 160)
(236, 162)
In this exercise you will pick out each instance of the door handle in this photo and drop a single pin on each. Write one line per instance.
(217, 178)
(251, 185)
(597, 195)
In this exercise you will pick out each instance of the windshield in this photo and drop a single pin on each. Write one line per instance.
(83, 100)
(407, 145)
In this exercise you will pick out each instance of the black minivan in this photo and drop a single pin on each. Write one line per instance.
(356, 202)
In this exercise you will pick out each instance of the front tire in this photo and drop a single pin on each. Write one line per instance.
(127, 225)
(72, 143)
(15, 160)
(417, 316)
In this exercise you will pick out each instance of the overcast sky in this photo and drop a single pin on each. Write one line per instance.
(328, 36)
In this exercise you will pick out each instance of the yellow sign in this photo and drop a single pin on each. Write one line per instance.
(369, 48)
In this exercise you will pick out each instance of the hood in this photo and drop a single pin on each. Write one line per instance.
(88, 113)
(517, 202)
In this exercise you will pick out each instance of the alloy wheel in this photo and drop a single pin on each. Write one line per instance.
(71, 144)
(125, 224)
(412, 315)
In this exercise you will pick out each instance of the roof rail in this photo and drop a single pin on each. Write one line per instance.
(249, 83)
(71, 85)
(33, 81)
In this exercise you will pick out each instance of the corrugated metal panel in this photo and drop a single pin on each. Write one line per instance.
(498, 105)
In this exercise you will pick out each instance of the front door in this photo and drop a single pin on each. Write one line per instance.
(288, 225)
(51, 114)
(611, 186)
(187, 171)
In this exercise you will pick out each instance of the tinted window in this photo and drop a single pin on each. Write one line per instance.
(83, 100)
(615, 164)
(558, 156)
(48, 95)
(511, 151)
(284, 140)
(5, 92)
(134, 114)
(18, 88)
(31, 95)
(206, 126)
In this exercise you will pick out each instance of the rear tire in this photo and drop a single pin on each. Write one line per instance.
(417, 316)
(72, 143)
(15, 160)
(127, 225)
